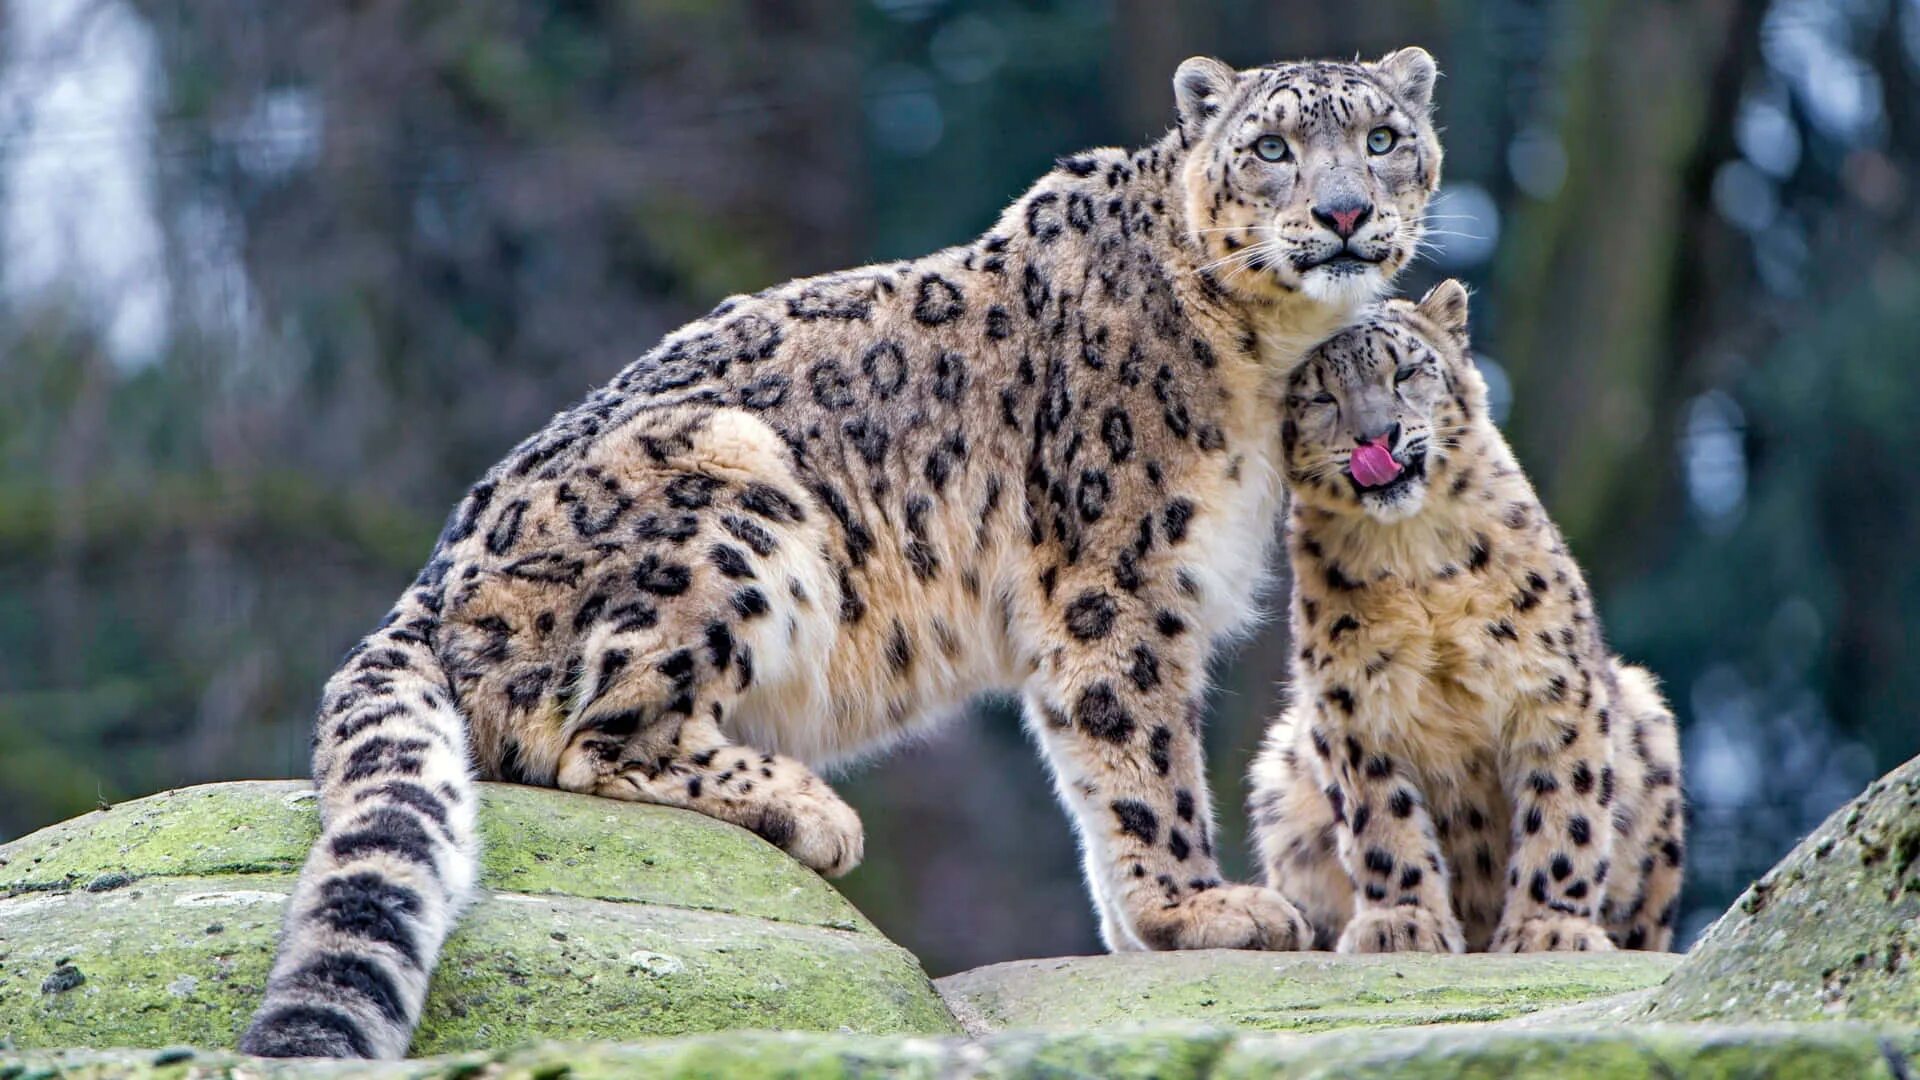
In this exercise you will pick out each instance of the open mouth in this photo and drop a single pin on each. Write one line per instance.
(1413, 469)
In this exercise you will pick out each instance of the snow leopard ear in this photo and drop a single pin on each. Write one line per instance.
(1409, 75)
(1200, 89)
(1445, 305)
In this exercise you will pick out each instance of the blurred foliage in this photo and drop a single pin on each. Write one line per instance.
(277, 281)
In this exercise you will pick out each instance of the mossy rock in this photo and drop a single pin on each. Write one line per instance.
(533, 840)
(1653, 1052)
(153, 924)
(1832, 932)
(1188, 1052)
(1286, 991)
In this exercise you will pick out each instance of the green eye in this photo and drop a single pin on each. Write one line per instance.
(1271, 148)
(1381, 139)
(1404, 374)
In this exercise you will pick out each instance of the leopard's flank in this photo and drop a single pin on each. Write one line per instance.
(1464, 765)
(826, 515)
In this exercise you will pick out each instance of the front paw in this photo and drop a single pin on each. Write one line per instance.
(1550, 933)
(814, 825)
(1227, 917)
(1405, 928)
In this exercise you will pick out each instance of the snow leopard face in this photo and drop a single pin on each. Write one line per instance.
(1309, 179)
(1377, 415)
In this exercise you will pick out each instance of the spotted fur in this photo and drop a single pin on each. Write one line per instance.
(825, 515)
(1464, 764)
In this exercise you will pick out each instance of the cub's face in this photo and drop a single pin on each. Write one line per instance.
(1309, 179)
(1378, 415)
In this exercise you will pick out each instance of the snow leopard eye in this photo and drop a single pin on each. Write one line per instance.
(1271, 148)
(1323, 398)
(1404, 374)
(1381, 139)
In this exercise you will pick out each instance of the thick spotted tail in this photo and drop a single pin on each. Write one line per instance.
(396, 856)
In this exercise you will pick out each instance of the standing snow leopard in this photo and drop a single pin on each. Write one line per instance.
(823, 516)
(1464, 764)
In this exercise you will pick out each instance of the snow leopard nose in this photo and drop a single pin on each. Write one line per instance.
(1385, 435)
(1343, 215)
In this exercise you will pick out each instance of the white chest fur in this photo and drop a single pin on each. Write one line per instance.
(1230, 554)
(1233, 552)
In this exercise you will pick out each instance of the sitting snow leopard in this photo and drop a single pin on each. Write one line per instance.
(824, 516)
(1464, 765)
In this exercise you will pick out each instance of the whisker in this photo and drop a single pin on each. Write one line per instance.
(1244, 258)
(1264, 256)
(1235, 258)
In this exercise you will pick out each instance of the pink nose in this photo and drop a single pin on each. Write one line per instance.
(1343, 217)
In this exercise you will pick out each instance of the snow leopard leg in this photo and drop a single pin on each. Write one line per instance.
(667, 662)
(1650, 820)
(1295, 837)
(1558, 769)
(1116, 706)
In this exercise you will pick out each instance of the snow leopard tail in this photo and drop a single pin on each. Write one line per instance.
(396, 857)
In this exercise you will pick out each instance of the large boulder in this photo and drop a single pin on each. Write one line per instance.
(1778, 1052)
(1832, 932)
(1285, 991)
(153, 924)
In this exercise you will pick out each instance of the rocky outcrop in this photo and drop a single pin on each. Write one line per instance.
(610, 925)
(1778, 1052)
(1833, 932)
(1284, 991)
(153, 924)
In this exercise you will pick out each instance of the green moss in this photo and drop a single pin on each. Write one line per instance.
(557, 967)
(746, 1056)
(183, 960)
(538, 841)
(1280, 991)
(1812, 1052)
(153, 924)
(1707, 1053)
(1832, 932)
(533, 841)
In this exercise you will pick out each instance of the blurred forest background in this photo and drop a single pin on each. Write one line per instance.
(277, 281)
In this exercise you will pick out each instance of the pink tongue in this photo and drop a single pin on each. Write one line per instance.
(1373, 464)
